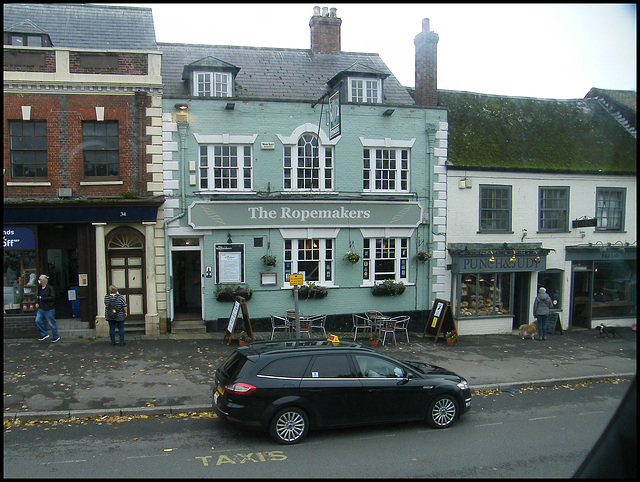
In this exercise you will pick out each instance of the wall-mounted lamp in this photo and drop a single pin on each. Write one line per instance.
(230, 106)
(537, 258)
(513, 258)
(524, 234)
(492, 259)
(229, 240)
(388, 112)
(181, 106)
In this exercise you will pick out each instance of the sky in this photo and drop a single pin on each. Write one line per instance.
(528, 50)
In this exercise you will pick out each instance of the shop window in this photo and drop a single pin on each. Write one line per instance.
(385, 258)
(614, 289)
(485, 294)
(551, 280)
(313, 257)
(19, 284)
(495, 209)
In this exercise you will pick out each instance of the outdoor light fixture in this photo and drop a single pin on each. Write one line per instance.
(229, 240)
(492, 259)
(388, 112)
(513, 258)
(181, 106)
(537, 258)
(230, 106)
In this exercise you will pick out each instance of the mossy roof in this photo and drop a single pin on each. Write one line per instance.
(496, 132)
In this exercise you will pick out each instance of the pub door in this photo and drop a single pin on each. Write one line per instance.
(187, 284)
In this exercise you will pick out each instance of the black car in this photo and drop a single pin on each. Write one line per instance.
(288, 387)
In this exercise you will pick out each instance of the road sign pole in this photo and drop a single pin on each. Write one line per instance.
(295, 299)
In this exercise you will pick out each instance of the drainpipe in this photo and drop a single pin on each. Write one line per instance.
(182, 133)
(141, 101)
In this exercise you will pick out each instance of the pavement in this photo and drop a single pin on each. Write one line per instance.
(172, 374)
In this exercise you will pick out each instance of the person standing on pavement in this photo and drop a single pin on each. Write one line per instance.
(541, 308)
(115, 307)
(46, 310)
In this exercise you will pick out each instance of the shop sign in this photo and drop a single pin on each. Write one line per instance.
(18, 238)
(475, 264)
(299, 214)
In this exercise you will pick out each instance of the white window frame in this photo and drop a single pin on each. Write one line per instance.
(373, 249)
(293, 172)
(210, 141)
(326, 259)
(373, 174)
(364, 90)
(216, 81)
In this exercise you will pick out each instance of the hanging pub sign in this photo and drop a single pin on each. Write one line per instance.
(334, 114)
(584, 223)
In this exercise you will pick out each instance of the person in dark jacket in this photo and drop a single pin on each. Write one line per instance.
(115, 311)
(541, 308)
(46, 310)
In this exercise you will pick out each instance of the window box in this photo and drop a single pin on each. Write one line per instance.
(388, 288)
(229, 293)
(312, 291)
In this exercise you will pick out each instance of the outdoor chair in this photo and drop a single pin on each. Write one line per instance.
(317, 322)
(388, 327)
(360, 322)
(278, 323)
(402, 324)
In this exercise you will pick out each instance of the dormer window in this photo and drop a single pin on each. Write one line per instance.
(26, 34)
(210, 77)
(212, 84)
(360, 84)
(362, 90)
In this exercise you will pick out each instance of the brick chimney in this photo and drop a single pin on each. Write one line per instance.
(426, 43)
(325, 31)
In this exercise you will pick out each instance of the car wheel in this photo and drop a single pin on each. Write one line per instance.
(289, 426)
(443, 411)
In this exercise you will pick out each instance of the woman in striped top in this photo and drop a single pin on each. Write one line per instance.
(115, 312)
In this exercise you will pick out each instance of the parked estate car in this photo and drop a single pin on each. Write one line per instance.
(288, 387)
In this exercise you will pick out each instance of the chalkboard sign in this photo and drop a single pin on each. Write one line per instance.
(554, 324)
(240, 306)
(440, 319)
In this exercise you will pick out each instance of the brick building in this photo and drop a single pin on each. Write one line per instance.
(82, 172)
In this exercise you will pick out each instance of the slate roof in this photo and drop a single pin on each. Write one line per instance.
(275, 73)
(86, 26)
(518, 133)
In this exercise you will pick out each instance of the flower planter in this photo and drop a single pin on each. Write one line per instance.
(383, 290)
(242, 342)
(450, 341)
(312, 294)
(374, 343)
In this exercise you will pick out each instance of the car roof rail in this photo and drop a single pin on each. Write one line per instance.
(267, 345)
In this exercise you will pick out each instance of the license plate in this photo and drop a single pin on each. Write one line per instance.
(219, 392)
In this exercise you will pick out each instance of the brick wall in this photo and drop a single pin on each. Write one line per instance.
(20, 327)
(64, 115)
(29, 61)
(112, 63)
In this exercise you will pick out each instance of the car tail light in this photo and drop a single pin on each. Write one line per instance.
(240, 388)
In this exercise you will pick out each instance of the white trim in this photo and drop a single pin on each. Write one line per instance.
(387, 142)
(387, 232)
(309, 233)
(29, 184)
(303, 129)
(224, 138)
(100, 183)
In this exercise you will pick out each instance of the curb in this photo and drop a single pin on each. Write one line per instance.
(172, 410)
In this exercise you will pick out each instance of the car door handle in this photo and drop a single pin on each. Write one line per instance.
(427, 387)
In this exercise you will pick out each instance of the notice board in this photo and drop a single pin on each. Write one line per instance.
(240, 306)
(440, 319)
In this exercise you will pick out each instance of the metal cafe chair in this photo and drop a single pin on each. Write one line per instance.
(402, 324)
(279, 323)
(359, 322)
(388, 327)
(317, 322)
(375, 319)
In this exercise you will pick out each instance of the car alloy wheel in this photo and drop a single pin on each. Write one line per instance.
(442, 412)
(289, 426)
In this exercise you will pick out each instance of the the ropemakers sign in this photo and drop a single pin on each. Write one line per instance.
(297, 214)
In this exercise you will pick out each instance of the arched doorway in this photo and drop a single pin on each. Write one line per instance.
(126, 269)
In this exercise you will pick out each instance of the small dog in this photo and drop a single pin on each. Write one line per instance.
(531, 329)
(606, 331)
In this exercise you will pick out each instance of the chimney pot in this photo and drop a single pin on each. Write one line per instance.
(332, 12)
(425, 25)
(316, 11)
(325, 11)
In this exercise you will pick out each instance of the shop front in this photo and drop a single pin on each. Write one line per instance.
(255, 246)
(493, 286)
(604, 285)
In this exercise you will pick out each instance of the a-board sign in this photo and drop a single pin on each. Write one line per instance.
(239, 306)
(554, 324)
(440, 319)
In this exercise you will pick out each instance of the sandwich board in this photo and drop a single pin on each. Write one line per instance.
(240, 306)
(440, 319)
